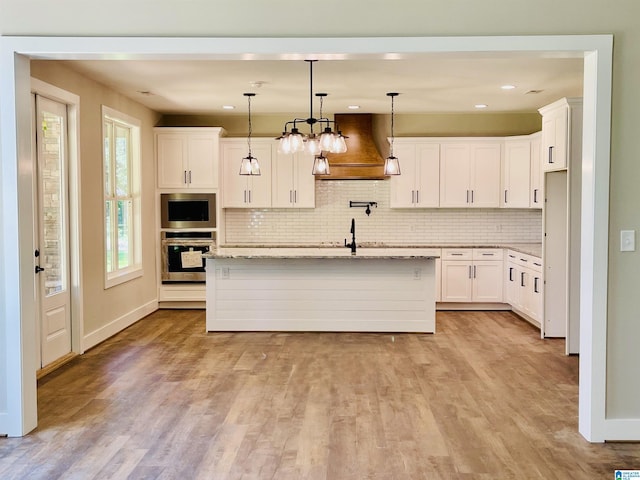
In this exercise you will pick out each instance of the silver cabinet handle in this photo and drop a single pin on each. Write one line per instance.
(295, 196)
(413, 196)
(510, 274)
(551, 154)
(189, 176)
(417, 196)
(535, 285)
(290, 196)
(456, 254)
(185, 176)
(471, 196)
(505, 196)
(535, 195)
(245, 196)
(474, 271)
(470, 272)
(467, 196)
(249, 196)
(522, 279)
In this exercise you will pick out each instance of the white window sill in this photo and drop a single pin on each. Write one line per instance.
(123, 276)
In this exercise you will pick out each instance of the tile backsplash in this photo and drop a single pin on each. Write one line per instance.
(330, 221)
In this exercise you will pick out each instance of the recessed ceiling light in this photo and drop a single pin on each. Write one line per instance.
(228, 107)
(481, 105)
(508, 87)
(353, 107)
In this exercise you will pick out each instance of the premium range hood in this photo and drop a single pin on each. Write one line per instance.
(362, 160)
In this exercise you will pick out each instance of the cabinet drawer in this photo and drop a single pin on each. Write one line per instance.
(457, 253)
(487, 254)
(525, 260)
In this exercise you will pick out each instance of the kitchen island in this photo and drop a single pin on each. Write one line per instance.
(321, 289)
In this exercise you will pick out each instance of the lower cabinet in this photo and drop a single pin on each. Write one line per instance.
(523, 285)
(472, 275)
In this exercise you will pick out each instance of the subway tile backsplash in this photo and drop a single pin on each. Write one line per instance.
(330, 221)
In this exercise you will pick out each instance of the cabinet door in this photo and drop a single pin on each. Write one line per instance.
(234, 185)
(202, 161)
(456, 281)
(171, 152)
(485, 175)
(304, 182)
(455, 174)
(516, 174)
(536, 193)
(428, 175)
(259, 186)
(512, 286)
(403, 187)
(554, 139)
(537, 297)
(282, 184)
(487, 281)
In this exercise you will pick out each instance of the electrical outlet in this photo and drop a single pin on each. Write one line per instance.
(627, 240)
(225, 272)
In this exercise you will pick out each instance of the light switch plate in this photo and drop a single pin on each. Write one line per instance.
(627, 240)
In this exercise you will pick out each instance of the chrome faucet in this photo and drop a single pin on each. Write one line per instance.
(352, 245)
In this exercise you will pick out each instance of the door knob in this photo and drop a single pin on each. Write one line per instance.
(39, 269)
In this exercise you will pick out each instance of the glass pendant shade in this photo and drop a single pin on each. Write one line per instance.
(284, 145)
(339, 144)
(250, 166)
(313, 145)
(296, 141)
(327, 139)
(391, 166)
(321, 165)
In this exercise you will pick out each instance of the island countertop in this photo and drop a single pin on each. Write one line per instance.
(322, 252)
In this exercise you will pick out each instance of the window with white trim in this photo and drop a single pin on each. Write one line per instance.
(122, 212)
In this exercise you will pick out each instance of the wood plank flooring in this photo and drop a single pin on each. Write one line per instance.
(484, 398)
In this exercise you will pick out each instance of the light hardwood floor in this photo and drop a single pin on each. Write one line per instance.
(484, 398)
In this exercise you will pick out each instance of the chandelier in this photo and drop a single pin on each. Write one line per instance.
(391, 163)
(328, 140)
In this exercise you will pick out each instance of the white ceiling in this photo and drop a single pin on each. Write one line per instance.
(432, 83)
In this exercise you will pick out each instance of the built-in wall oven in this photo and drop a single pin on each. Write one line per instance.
(182, 255)
(188, 210)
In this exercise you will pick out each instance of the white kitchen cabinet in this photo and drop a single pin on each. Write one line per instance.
(292, 180)
(524, 285)
(419, 184)
(470, 174)
(536, 191)
(187, 158)
(245, 191)
(516, 172)
(472, 275)
(557, 119)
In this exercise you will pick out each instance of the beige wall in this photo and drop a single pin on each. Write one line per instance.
(104, 306)
(286, 18)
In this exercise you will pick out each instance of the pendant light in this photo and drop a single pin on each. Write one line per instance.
(321, 165)
(249, 165)
(391, 164)
(295, 141)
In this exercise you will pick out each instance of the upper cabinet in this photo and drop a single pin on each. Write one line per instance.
(187, 158)
(245, 191)
(536, 193)
(419, 184)
(292, 184)
(516, 172)
(470, 174)
(556, 132)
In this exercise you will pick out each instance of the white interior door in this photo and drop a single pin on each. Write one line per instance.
(52, 254)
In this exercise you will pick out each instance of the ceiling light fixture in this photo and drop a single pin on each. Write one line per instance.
(228, 107)
(481, 105)
(321, 165)
(391, 164)
(508, 87)
(249, 165)
(353, 107)
(294, 141)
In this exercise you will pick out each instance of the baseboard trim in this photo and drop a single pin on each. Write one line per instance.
(119, 324)
(47, 369)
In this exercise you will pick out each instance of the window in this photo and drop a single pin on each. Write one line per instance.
(122, 222)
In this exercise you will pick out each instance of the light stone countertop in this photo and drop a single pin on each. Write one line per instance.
(365, 250)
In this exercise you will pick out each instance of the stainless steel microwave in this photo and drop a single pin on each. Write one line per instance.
(188, 210)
